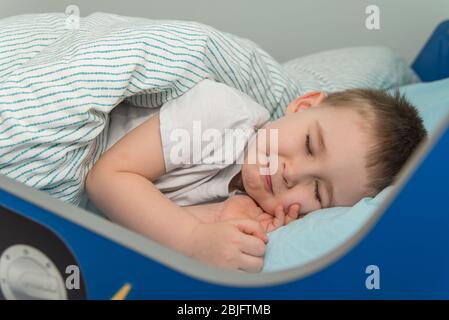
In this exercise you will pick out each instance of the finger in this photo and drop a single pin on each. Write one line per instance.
(278, 220)
(279, 217)
(252, 246)
(250, 264)
(293, 213)
(266, 224)
(265, 220)
(295, 210)
(251, 227)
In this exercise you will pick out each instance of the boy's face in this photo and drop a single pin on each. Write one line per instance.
(337, 168)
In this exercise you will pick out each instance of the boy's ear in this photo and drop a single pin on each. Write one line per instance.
(306, 101)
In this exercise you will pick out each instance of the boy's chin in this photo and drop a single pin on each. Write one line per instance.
(267, 204)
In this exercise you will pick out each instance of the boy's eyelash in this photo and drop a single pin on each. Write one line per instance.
(317, 194)
(308, 144)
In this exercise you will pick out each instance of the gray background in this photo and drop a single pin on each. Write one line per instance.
(284, 28)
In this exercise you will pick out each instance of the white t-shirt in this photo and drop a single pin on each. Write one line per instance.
(198, 175)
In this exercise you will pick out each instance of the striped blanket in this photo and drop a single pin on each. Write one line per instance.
(58, 85)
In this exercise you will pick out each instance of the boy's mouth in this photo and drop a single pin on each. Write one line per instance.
(267, 180)
(268, 184)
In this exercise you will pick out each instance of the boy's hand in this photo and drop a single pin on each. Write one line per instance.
(244, 207)
(270, 222)
(234, 244)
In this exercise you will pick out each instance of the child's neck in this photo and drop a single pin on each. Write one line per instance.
(236, 183)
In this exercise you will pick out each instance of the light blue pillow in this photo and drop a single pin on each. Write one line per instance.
(322, 231)
(431, 99)
(317, 233)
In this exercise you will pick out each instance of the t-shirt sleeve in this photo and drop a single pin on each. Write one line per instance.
(194, 124)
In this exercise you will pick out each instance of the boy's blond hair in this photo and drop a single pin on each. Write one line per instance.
(396, 126)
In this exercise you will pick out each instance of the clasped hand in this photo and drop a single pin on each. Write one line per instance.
(238, 238)
(244, 207)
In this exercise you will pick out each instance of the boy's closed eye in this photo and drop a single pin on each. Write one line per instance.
(317, 190)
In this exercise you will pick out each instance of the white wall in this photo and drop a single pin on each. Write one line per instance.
(284, 28)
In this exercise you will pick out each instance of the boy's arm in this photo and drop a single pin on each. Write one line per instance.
(120, 184)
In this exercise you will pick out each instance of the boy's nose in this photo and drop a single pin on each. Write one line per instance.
(292, 173)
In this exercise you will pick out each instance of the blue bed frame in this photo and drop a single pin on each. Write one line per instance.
(406, 242)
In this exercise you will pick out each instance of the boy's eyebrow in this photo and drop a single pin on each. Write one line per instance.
(322, 148)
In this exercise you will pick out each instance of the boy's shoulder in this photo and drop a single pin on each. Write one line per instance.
(226, 100)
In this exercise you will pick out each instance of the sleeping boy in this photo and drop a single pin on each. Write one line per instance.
(170, 177)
